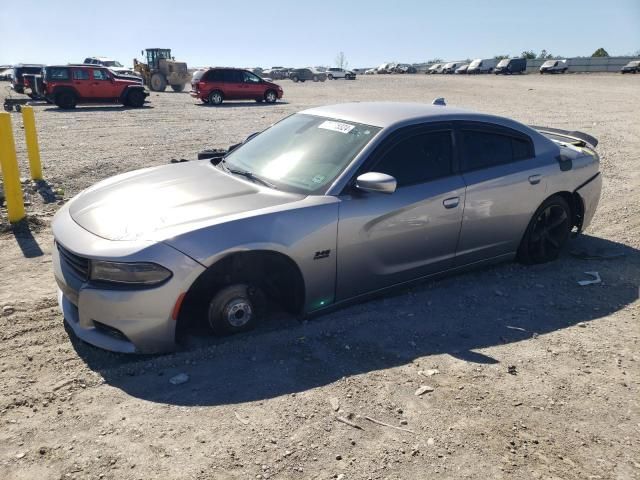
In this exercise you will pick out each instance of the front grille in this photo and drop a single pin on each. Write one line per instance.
(78, 264)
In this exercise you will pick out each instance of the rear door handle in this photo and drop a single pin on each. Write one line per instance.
(535, 179)
(451, 202)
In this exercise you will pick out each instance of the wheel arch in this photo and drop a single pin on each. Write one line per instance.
(275, 272)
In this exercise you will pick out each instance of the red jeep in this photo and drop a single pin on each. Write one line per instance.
(219, 84)
(68, 85)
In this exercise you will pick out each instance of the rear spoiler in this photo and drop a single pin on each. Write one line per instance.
(579, 139)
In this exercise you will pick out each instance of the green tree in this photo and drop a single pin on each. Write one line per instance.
(501, 57)
(601, 52)
(435, 60)
(528, 54)
(545, 55)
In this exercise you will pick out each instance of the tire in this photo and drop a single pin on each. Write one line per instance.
(135, 98)
(232, 310)
(330, 77)
(178, 87)
(295, 79)
(270, 96)
(315, 78)
(216, 98)
(302, 81)
(18, 108)
(66, 100)
(158, 82)
(547, 233)
(7, 107)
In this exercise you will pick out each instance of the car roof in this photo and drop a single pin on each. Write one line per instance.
(395, 114)
(28, 65)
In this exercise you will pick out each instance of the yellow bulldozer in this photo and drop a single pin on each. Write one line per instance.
(161, 70)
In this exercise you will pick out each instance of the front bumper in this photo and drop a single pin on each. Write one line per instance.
(120, 319)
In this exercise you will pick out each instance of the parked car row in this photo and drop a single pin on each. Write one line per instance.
(389, 68)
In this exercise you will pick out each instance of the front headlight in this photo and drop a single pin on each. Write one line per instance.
(128, 273)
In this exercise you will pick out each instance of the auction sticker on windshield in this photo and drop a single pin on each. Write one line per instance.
(336, 126)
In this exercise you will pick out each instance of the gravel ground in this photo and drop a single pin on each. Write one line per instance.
(532, 376)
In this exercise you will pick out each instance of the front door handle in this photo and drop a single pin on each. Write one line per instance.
(451, 202)
(535, 179)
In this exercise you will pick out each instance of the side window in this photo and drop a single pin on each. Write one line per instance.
(419, 158)
(213, 76)
(100, 75)
(249, 77)
(58, 74)
(80, 75)
(483, 149)
(232, 76)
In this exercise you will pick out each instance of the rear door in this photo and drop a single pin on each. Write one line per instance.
(385, 239)
(233, 84)
(505, 185)
(81, 81)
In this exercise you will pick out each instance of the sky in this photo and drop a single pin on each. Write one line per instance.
(297, 33)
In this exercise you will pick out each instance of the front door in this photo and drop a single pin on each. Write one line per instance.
(102, 86)
(252, 86)
(386, 239)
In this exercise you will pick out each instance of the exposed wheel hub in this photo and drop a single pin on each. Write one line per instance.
(238, 312)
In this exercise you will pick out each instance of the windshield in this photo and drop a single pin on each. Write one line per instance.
(549, 63)
(302, 153)
(504, 62)
(634, 64)
(111, 63)
(475, 63)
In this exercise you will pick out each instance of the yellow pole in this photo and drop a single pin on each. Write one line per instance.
(10, 172)
(33, 150)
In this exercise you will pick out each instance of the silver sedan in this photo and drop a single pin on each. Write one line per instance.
(323, 208)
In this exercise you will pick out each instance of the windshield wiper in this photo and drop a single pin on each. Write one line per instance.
(250, 175)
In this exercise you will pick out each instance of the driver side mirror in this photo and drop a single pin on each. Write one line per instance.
(376, 182)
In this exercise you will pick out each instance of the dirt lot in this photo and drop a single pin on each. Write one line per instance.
(537, 377)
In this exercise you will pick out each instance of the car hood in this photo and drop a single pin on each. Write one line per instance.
(157, 203)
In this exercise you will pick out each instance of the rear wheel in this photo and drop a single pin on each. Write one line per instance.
(330, 77)
(232, 310)
(316, 78)
(295, 79)
(66, 100)
(270, 96)
(135, 98)
(158, 82)
(216, 97)
(178, 87)
(547, 233)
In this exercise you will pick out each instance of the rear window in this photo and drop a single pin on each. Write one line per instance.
(213, 76)
(484, 149)
(57, 73)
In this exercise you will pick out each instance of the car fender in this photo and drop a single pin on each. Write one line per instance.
(305, 231)
(128, 88)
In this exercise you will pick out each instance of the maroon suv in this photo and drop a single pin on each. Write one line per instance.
(219, 84)
(68, 85)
